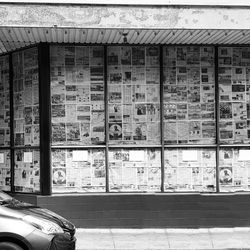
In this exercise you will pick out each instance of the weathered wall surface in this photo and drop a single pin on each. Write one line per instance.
(144, 2)
(95, 16)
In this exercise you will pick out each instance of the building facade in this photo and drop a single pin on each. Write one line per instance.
(127, 115)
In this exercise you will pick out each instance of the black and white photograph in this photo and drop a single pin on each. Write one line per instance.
(124, 125)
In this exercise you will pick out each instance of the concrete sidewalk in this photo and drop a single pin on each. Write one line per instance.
(159, 239)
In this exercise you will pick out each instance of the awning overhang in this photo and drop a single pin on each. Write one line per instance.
(26, 24)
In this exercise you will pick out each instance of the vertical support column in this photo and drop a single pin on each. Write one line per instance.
(217, 116)
(106, 117)
(45, 118)
(12, 153)
(162, 119)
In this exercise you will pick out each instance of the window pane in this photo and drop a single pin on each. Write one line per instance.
(4, 102)
(134, 170)
(234, 86)
(5, 170)
(77, 95)
(190, 170)
(133, 95)
(27, 170)
(234, 172)
(26, 98)
(189, 95)
(78, 170)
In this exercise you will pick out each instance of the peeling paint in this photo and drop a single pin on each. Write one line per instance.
(170, 19)
(140, 15)
(89, 16)
(3, 13)
(225, 17)
(198, 12)
(123, 19)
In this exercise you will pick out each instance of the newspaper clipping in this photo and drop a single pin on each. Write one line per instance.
(189, 95)
(134, 170)
(234, 86)
(26, 98)
(133, 95)
(77, 95)
(78, 170)
(190, 170)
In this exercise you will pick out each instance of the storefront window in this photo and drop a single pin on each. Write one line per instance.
(189, 95)
(234, 86)
(78, 170)
(4, 102)
(4, 124)
(133, 95)
(190, 170)
(5, 176)
(141, 125)
(134, 170)
(77, 95)
(234, 171)
(26, 120)
(27, 170)
(77, 108)
(187, 122)
(26, 98)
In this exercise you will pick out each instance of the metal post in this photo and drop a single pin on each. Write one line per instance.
(45, 118)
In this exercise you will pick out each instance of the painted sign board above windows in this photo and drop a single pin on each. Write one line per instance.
(124, 17)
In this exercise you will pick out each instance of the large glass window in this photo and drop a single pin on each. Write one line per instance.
(190, 170)
(134, 118)
(149, 136)
(133, 95)
(234, 170)
(77, 95)
(26, 120)
(26, 98)
(78, 170)
(77, 108)
(189, 118)
(4, 102)
(189, 95)
(27, 170)
(5, 176)
(234, 87)
(4, 124)
(134, 170)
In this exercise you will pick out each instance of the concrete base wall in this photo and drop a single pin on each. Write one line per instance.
(148, 210)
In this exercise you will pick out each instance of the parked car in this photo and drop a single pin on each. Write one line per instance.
(26, 227)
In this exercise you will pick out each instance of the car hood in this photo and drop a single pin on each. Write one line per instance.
(29, 209)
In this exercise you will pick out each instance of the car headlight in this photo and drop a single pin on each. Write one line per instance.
(45, 226)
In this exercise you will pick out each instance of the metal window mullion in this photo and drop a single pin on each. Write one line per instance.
(161, 119)
(44, 118)
(106, 118)
(12, 151)
(217, 115)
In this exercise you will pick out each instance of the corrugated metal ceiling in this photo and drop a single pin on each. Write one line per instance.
(12, 38)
